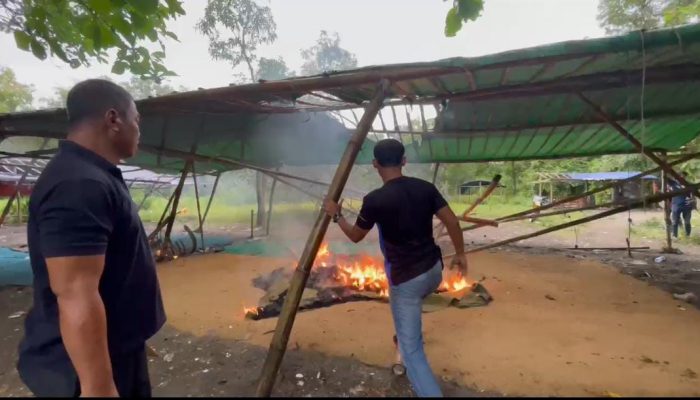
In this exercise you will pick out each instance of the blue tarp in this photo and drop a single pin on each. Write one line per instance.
(603, 176)
(14, 268)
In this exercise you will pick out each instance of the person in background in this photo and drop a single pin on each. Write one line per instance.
(681, 207)
(96, 293)
(403, 210)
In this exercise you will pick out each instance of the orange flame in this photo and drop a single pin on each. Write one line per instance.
(251, 310)
(366, 273)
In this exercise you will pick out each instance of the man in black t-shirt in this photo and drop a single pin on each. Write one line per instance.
(96, 293)
(403, 211)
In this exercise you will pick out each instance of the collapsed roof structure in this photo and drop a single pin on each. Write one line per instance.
(635, 93)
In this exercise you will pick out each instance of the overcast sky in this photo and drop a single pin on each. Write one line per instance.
(377, 31)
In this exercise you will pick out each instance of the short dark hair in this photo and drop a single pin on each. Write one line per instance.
(93, 97)
(389, 152)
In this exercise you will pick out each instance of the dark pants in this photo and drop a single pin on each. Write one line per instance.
(676, 214)
(130, 372)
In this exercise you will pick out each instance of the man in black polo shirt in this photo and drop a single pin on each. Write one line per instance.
(403, 210)
(96, 293)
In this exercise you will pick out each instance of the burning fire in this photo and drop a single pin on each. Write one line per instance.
(366, 273)
(250, 310)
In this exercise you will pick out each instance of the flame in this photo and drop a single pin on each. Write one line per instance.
(251, 310)
(455, 284)
(366, 273)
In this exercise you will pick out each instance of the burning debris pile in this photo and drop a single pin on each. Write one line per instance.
(337, 279)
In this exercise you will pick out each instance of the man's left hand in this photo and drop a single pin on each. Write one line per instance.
(331, 207)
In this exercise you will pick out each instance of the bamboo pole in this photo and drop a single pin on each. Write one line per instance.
(278, 345)
(269, 207)
(636, 143)
(176, 201)
(211, 199)
(224, 161)
(590, 192)
(667, 210)
(638, 203)
(313, 195)
(161, 220)
(199, 208)
(435, 172)
(492, 186)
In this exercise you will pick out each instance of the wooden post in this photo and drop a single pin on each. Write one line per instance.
(19, 184)
(176, 201)
(252, 223)
(617, 210)
(269, 207)
(667, 209)
(591, 192)
(484, 195)
(146, 195)
(278, 345)
(435, 172)
(199, 208)
(211, 199)
(640, 146)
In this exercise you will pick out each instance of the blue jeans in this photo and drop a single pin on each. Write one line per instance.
(676, 214)
(406, 307)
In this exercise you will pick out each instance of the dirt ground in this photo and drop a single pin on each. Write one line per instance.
(563, 323)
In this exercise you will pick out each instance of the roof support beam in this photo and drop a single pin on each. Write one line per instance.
(633, 204)
(636, 143)
(591, 192)
(278, 344)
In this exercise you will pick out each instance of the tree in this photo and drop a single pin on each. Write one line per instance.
(327, 56)
(81, 31)
(58, 100)
(14, 96)
(620, 16)
(144, 88)
(271, 69)
(249, 26)
(462, 11)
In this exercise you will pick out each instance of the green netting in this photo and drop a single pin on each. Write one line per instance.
(515, 105)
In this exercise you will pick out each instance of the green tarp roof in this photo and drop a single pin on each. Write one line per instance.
(515, 105)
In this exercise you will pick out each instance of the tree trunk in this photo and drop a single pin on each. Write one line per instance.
(260, 191)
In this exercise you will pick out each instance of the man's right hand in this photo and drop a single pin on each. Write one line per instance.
(459, 261)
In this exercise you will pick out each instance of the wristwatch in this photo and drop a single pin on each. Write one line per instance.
(336, 217)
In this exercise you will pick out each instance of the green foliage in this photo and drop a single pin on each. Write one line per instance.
(236, 28)
(271, 69)
(462, 11)
(326, 56)
(81, 31)
(620, 16)
(14, 96)
(145, 88)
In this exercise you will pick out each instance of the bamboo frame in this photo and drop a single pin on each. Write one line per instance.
(640, 146)
(634, 204)
(269, 207)
(680, 160)
(278, 345)
(25, 174)
(173, 212)
(667, 208)
(199, 208)
(211, 199)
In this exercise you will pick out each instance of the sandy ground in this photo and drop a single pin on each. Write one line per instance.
(604, 332)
